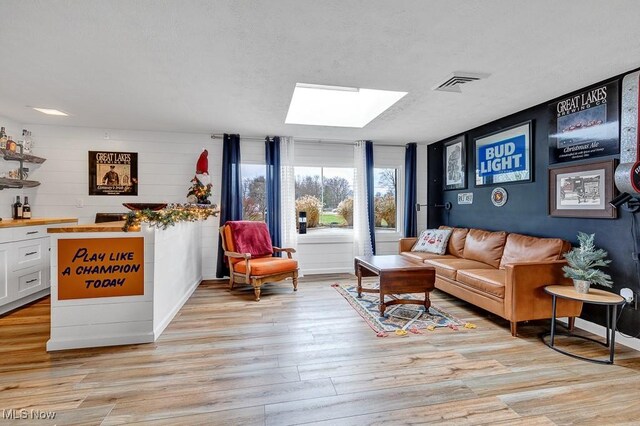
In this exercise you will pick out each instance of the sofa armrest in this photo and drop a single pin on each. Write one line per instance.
(524, 296)
(405, 244)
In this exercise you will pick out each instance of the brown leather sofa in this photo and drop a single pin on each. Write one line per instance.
(501, 272)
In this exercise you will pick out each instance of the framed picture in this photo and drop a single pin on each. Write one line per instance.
(504, 156)
(585, 125)
(582, 191)
(455, 163)
(113, 173)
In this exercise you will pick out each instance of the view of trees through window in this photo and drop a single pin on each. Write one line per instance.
(385, 184)
(254, 195)
(324, 193)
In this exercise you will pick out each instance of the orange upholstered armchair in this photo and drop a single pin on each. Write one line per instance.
(247, 247)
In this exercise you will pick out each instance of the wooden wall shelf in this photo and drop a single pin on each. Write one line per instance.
(17, 183)
(16, 156)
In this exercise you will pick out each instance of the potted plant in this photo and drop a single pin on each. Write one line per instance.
(583, 263)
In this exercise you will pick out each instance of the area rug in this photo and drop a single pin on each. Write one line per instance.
(399, 319)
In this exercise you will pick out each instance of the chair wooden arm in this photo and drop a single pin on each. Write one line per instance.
(245, 256)
(286, 250)
(237, 255)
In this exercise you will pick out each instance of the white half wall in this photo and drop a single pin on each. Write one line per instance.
(166, 165)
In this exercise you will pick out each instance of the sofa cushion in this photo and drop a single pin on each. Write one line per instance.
(432, 241)
(456, 241)
(489, 281)
(522, 248)
(485, 246)
(448, 268)
(422, 256)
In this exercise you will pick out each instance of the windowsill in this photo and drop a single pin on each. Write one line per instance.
(326, 236)
(343, 235)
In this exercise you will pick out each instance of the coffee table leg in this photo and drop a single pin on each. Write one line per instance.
(359, 282)
(427, 302)
(383, 307)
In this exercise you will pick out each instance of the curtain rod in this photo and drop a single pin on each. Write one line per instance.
(316, 140)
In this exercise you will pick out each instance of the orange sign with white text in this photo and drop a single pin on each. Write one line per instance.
(100, 267)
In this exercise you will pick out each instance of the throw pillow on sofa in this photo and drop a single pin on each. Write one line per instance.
(432, 241)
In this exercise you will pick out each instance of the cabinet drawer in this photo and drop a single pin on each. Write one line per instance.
(30, 253)
(30, 282)
(29, 232)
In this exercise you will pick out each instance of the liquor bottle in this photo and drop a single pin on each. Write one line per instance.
(10, 144)
(26, 141)
(3, 138)
(17, 209)
(26, 209)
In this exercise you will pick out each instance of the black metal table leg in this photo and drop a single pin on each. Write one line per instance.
(613, 332)
(553, 320)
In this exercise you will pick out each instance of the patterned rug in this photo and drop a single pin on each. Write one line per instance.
(399, 319)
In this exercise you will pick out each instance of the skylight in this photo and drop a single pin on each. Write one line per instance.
(319, 105)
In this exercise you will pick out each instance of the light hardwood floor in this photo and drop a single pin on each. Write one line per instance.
(307, 357)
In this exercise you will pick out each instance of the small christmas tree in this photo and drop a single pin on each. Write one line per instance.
(584, 260)
(200, 190)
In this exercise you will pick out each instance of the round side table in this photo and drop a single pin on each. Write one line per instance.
(596, 297)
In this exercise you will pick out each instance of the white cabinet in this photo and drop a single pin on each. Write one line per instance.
(5, 269)
(24, 266)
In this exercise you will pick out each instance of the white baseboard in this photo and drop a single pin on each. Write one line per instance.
(59, 345)
(25, 300)
(599, 330)
(327, 271)
(157, 330)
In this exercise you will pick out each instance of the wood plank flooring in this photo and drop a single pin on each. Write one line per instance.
(308, 358)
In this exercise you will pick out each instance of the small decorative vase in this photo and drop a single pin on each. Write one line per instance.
(581, 286)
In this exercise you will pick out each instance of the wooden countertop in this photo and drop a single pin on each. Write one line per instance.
(91, 227)
(11, 223)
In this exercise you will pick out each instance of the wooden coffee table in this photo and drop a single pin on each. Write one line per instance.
(397, 275)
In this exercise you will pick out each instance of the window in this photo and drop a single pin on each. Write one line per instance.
(326, 194)
(254, 194)
(385, 204)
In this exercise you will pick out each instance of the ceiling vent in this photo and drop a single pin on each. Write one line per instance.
(458, 78)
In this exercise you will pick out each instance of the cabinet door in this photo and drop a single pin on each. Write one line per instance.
(6, 295)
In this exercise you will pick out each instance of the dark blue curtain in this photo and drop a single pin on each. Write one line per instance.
(410, 191)
(370, 194)
(272, 160)
(231, 196)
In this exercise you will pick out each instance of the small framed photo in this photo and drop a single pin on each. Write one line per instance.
(582, 191)
(455, 163)
(504, 156)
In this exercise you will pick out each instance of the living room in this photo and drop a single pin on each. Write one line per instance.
(166, 81)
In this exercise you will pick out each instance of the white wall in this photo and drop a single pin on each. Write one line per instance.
(166, 164)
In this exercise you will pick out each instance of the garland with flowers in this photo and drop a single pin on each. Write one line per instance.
(169, 216)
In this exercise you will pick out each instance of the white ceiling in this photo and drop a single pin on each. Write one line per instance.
(231, 66)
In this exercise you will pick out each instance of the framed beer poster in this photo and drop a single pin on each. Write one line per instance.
(113, 173)
(585, 125)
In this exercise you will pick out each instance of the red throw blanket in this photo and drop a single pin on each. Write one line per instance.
(251, 237)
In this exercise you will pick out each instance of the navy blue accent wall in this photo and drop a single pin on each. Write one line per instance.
(526, 210)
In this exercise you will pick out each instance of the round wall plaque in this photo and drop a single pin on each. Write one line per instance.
(499, 197)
